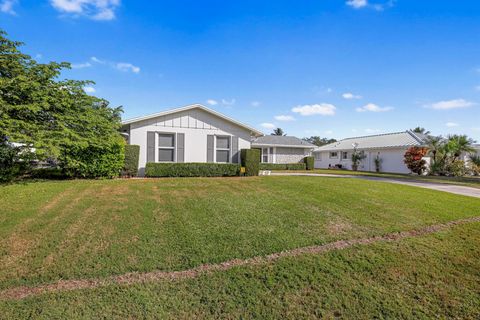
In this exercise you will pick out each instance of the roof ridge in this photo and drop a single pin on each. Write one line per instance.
(374, 135)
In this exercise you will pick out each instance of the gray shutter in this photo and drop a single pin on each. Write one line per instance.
(150, 146)
(180, 147)
(210, 148)
(234, 147)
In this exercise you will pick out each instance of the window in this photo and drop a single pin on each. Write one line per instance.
(265, 155)
(317, 155)
(344, 155)
(166, 147)
(333, 155)
(223, 149)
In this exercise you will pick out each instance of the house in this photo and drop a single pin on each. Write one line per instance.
(390, 148)
(195, 133)
(282, 149)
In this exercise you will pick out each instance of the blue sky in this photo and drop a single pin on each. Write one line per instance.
(333, 68)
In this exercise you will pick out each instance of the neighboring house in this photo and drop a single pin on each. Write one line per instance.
(390, 148)
(282, 149)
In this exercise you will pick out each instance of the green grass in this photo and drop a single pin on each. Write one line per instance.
(87, 229)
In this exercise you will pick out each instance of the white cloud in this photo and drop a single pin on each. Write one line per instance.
(357, 4)
(324, 109)
(255, 104)
(93, 9)
(89, 89)
(371, 107)
(6, 6)
(125, 66)
(350, 96)
(329, 132)
(228, 102)
(284, 118)
(372, 130)
(268, 125)
(95, 59)
(212, 102)
(451, 124)
(81, 65)
(450, 104)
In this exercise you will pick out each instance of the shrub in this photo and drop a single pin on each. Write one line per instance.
(48, 173)
(282, 166)
(357, 157)
(14, 161)
(457, 168)
(378, 163)
(132, 154)
(309, 162)
(251, 161)
(414, 159)
(192, 169)
(94, 161)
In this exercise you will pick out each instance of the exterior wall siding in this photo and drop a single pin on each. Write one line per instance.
(392, 160)
(195, 124)
(290, 155)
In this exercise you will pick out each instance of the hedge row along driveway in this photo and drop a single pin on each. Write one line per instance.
(97, 229)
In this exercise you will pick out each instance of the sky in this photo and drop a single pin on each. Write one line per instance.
(332, 68)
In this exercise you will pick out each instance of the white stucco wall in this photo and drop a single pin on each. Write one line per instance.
(290, 155)
(392, 160)
(196, 124)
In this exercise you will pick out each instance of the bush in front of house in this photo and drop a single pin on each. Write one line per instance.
(282, 166)
(251, 161)
(414, 161)
(132, 155)
(155, 170)
(94, 161)
(309, 162)
(14, 160)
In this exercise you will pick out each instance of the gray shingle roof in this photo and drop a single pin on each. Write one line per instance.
(389, 140)
(289, 141)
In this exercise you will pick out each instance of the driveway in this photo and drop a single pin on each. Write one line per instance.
(465, 191)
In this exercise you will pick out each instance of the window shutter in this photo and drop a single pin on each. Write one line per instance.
(210, 148)
(150, 146)
(234, 148)
(180, 147)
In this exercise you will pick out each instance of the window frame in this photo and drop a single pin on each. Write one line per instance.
(174, 147)
(342, 154)
(333, 157)
(229, 149)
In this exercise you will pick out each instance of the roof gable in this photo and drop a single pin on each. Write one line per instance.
(253, 131)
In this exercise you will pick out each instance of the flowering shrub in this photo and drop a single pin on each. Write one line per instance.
(414, 159)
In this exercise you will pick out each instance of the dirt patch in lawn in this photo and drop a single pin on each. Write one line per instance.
(135, 277)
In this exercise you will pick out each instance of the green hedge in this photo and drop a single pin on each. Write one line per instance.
(192, 169)
(132, 154)
(251, 161)
(309, 163)
(282, 166)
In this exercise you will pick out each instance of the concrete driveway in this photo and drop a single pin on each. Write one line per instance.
(465, 191)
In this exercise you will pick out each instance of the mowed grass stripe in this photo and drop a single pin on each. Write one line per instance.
(115, 227)
(132, 278)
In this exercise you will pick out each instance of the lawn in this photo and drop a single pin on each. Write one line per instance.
(96, 229)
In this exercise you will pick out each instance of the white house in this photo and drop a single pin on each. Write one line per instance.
(282, 149)
(193, 133)
(390, 148)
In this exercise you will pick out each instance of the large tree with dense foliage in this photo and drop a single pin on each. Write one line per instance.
(55, 116)
(316, 140)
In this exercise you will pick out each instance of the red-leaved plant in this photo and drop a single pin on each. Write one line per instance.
(414, 159)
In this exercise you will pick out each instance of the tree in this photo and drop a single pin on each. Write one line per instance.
(54, 116)
(421, 130)
(278, 132)
(458, 144)
(414, 159)
(434, 145)
(357, 157)
(316, 140)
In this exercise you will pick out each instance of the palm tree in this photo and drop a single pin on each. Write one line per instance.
(434, 145)
(278, 132)
(458, 144)
(421, 130)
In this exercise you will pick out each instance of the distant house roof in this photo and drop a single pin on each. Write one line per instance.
(282, 141)
(389, 140)
(254, 131)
